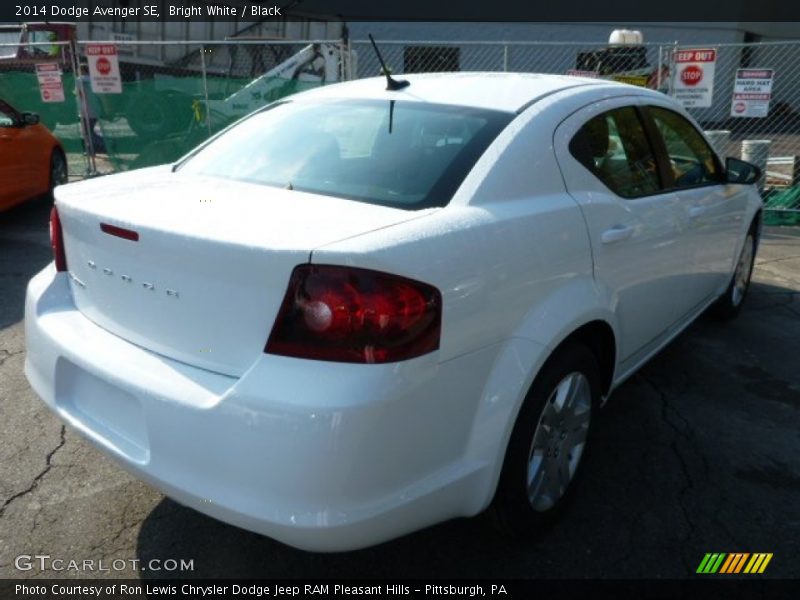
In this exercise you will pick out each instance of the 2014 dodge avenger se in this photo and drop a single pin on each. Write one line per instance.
(363, 310)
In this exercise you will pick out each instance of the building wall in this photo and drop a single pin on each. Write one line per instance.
(547, 32)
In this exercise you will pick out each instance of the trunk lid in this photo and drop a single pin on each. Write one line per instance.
(206, 277)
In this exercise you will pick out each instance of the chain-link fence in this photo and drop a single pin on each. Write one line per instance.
(171, 95)
(766, 68)
(657, 66)
(639, 65)
(54, 99)
(175, 94)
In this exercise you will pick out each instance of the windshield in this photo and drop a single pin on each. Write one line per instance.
(396, 153)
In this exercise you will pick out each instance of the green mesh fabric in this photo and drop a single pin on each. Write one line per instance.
(151, 122)
(777, 202)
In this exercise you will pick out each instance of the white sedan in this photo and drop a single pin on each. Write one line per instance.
(359, 311)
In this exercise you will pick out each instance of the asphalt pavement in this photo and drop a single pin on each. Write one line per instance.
(696, 453)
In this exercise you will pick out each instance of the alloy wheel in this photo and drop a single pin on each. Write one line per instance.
(558, 441)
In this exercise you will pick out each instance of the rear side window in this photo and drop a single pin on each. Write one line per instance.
(396, 153)
(691, 159)
(614, 147)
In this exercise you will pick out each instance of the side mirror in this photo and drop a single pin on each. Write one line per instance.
(29, 118)
(739, 171)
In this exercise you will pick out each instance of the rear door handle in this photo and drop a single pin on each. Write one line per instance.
(617, 234)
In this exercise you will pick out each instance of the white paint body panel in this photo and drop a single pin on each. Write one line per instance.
(331, 456)
(225, 276)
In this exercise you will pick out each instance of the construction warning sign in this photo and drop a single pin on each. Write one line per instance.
(752, 92)
(693, 77)
(51, 88)
(104, 68)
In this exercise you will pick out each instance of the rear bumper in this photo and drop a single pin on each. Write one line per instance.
(321, 456)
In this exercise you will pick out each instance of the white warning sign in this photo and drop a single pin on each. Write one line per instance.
(693, 77)
(51, 88)
(752, 92)
(104, 68)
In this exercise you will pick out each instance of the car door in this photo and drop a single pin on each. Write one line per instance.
(17, 146)
(635, 225)
(9, 160)
(713, 209)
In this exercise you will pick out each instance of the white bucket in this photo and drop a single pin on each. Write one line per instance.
(757, 152)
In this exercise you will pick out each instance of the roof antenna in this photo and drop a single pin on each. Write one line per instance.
(391, 84)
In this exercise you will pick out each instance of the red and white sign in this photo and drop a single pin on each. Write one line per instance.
(752, 92)
(693, 77)
(51, 88)
(104, 68)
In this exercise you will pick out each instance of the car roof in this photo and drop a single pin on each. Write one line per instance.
(509, 92)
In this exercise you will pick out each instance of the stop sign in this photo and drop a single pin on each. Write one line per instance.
(692, 75)
(103, 66)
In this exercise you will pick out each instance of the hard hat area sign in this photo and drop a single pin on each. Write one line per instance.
(693, 77)
(104, 68)
(752, 92)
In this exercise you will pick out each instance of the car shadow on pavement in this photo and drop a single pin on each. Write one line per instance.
(219, 550)
(24, 251)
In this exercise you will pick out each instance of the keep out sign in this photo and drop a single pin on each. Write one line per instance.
(104, 68)
(693, 77)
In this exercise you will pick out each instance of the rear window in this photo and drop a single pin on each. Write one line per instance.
(403, 154)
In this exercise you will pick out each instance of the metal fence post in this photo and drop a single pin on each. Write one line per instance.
(660, 66)
(672, 67)
(205, 85)
(83, 112)
(505, 57)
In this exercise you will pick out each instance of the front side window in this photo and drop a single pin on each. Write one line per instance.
(397, 153)
(691, 158)
(615, 148)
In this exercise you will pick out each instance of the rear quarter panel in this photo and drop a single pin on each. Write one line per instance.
(508, 253)
(511, 257)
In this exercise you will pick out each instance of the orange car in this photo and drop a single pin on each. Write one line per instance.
(32, 161)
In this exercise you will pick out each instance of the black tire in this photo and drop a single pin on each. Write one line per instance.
(58, 170)
(154, 116)
(512, 511)
(730, 303)
(148, 118)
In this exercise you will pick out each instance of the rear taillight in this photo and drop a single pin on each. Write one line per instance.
(57, 241)
(354, 315)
